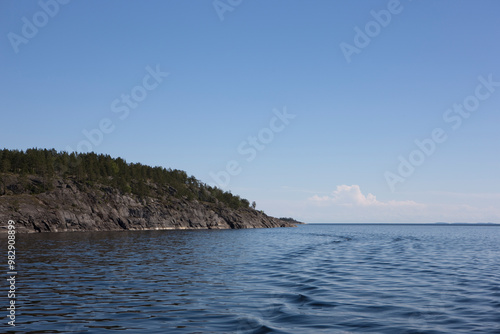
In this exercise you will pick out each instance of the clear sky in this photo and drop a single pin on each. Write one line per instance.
(310, 108)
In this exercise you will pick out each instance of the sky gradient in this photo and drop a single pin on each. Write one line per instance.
(262, 98)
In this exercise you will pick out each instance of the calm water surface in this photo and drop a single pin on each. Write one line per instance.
(310, 279)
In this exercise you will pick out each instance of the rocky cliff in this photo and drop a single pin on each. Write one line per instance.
(78, 206)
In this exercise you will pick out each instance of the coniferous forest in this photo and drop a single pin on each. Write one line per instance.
(98, 169)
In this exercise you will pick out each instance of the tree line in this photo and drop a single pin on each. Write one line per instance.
(133, 178)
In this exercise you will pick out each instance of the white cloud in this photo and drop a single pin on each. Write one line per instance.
(352, 196)
(348, 204)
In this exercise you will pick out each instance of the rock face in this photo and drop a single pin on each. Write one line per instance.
(73, 206)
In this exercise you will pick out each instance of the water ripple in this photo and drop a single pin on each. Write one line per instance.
(311, 279)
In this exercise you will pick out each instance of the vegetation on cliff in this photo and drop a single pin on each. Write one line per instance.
(48, 191)
(91, 168)
(291, 220)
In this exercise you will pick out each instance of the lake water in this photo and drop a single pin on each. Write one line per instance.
(309, 279)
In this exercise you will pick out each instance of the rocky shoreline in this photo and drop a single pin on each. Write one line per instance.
(77, 206)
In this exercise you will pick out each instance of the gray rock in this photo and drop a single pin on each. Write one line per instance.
(71, 206)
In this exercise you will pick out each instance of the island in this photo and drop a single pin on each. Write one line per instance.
(44, 190)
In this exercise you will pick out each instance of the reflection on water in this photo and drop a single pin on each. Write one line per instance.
(310, 279)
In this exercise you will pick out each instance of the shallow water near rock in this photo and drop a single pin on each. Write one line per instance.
(309, 279)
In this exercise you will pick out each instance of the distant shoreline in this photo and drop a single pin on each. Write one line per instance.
(415, 224)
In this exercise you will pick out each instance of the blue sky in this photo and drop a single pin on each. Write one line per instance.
(233, 66)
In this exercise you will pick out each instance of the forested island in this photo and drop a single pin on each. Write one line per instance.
(48, 191)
